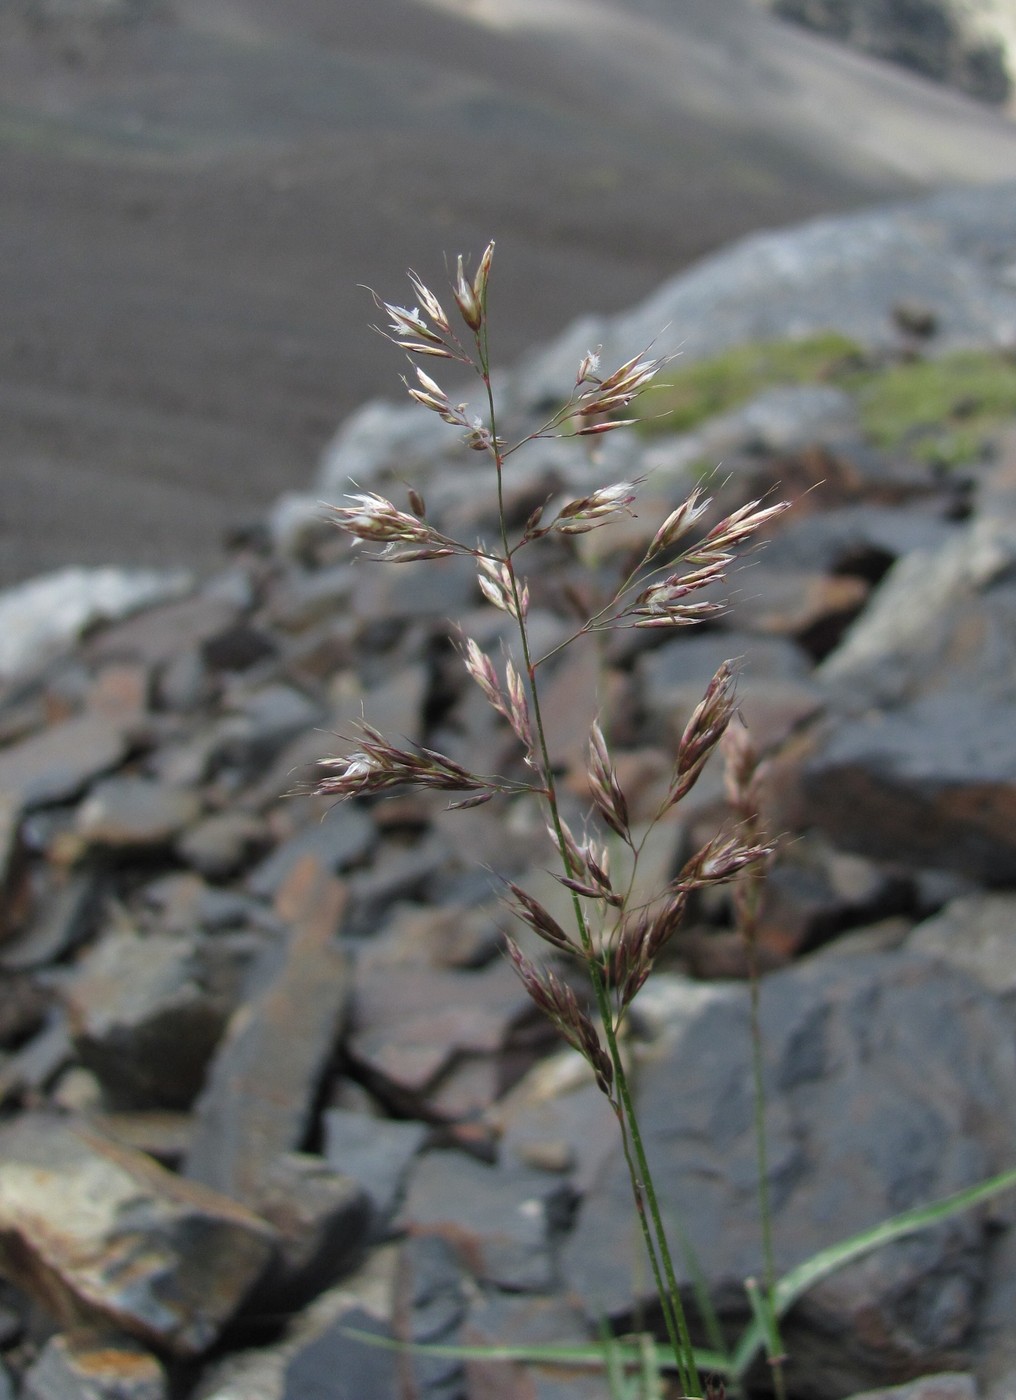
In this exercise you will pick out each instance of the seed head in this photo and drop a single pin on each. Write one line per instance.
(599, 508)
(467, 300)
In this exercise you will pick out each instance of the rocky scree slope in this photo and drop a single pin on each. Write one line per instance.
(266, 1078)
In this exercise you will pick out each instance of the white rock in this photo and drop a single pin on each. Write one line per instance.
(40, 618)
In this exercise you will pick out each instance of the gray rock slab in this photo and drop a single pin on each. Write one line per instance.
(976, 933)
(94, 1230)
(410, 1023)
(322, 1217)
(261, 724)
(221, 844)
(889, 1084)
(33, 1067)
(59, 762)
(62, 918)
(83, 1365)
(265, 1075)
(128, 813)
(376, 1152)
(341, 838)
(858, 538)
(410, 1293)
(40, 618)
(159, 634)
(946, 1386)
(144, 1018)
(931, 784)
(937, 611)
(501, 1220)
(499, 1319)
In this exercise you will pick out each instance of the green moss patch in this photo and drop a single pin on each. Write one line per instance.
(939, 411)
(684, 397)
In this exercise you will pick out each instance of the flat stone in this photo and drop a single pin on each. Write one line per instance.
(120, 690)
(133, 813)
(812, 892)
(41, 617)
(811, 608)
(161, 633)
(947, 1386)
(376, 1152)
(56, 764)
(90, 1365)
(410, 1023)
(144, 1019)
(500, 1319)
(500, 1220)
(936, 611)
(556, 1119)
(410, 1293)
(931, 784)
(976, 933)
(264, 1077)
(322, 1217)
(260, 725)
(342, 837)
(221, 844)
(28, 1072)
(94, 1230)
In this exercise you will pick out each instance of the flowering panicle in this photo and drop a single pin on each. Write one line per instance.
(605, 789)
(560, 1005)
(495, 580)
(704, 730)
(663, 603)
(678, 523)
(596, 883)
(598, 508)
(378, 766)
(642, 937)
(431, 395)
(373, 519)
(511, 701)
(721, 860)
(543, 923)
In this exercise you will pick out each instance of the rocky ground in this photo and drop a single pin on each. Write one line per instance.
(267, 1079)
(196, 191)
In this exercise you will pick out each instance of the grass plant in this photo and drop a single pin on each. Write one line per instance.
(614, 939)
(598, 960)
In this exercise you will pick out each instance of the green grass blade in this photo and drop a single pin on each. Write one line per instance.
(585, 1354)
(797, 1282)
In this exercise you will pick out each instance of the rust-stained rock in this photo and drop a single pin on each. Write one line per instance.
(266, 1073)
(91, 1365)
(96, 1232)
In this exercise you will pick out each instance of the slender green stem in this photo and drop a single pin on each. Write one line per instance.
(646, 1203)
(747, 899)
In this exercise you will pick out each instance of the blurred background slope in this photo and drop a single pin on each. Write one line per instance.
(194, 192)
